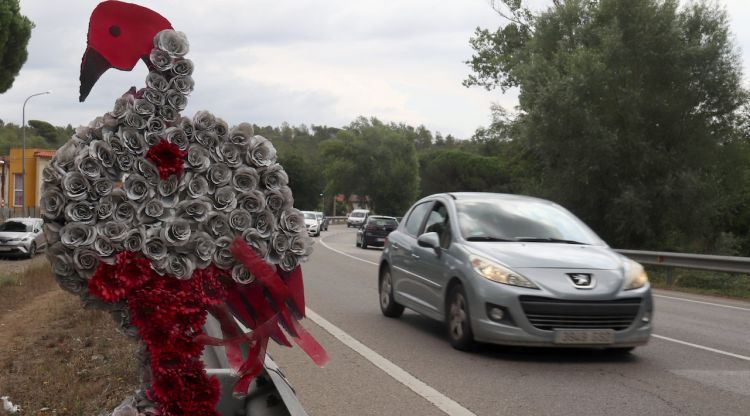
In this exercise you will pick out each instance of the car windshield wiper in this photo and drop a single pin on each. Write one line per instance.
(486, 238)
(548, 240)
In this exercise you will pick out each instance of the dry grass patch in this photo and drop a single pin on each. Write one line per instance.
(56, 358)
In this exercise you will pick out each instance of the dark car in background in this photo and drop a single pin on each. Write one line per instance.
(323, 220)
(374, 231)
(21, 236)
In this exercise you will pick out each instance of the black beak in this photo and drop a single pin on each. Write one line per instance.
(93, 66)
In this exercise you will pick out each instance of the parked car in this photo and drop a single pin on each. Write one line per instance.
(375, 231)
(22, 236)
(357, 217)
(516, 270)
(323, 220)
(311, 223)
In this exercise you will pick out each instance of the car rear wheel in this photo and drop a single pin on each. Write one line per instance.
(388, 306)
(32, 250)
(458, 320)
(364, 243)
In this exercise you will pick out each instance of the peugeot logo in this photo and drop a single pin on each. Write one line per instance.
(582, 280)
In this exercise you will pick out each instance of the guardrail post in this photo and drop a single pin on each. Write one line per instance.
(669, 276)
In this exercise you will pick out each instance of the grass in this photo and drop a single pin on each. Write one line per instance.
(729, 285)
(57, 358)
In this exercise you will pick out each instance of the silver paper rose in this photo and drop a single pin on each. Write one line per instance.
(156, 81)
(161, 59)
(74, 235)
(261, 152)
(173, 42)
(241, 275)
(274, 177)
(182, 67)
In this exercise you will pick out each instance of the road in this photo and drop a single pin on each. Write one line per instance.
(698, 362)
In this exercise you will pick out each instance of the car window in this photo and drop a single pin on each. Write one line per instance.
(382, 222)
(415, 218)
(439, 223)
(519, 220)
(15, 227)
(309, 216)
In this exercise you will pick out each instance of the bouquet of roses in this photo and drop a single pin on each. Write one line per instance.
(161, 218)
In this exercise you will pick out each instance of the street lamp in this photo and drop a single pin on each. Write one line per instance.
(23, 151)
(322, 203)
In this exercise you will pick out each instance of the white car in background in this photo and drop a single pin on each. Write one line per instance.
(312, 224)
(22, 236)
(357, 218)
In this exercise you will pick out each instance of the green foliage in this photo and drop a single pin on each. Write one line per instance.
(456, 170)
(376, 161)
(11, 136)
(627, 109)
(15, 32)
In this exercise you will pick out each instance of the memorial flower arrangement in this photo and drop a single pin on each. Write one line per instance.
(161, 219)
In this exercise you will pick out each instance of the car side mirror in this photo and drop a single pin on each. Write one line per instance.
(429, 240)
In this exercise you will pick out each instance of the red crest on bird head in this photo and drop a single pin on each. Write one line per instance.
(119, 35)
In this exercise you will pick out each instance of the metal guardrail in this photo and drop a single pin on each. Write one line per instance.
(728, 264)
(270, 393)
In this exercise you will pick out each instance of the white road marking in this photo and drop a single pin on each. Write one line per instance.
(441, 401)
(690, 344)
(702, 302)
(345, 254)
(703, 347)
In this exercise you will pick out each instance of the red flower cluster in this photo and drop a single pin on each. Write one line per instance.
(168, 158)
(168, 313)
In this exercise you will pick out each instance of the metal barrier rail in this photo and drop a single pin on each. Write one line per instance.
(670, 260)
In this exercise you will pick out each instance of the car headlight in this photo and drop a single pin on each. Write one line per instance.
(500, 274)
(635, 276)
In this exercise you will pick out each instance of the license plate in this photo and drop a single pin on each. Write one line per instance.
(380, 240)
(584, 336)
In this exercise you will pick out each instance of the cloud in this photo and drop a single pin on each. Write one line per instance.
(300, 61)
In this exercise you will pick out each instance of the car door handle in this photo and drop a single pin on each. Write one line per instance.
(414, 256)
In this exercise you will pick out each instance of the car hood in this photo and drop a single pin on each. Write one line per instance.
(548, 255)
(5, 235)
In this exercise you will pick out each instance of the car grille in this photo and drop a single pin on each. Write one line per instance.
(548, 314)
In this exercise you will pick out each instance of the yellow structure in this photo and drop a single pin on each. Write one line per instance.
(36, 161)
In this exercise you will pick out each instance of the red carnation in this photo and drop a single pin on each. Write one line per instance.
(168, 158)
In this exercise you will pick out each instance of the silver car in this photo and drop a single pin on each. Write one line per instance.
(514, 270)
(22, 236)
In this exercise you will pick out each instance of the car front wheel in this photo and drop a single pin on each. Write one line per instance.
(388, 305)
(32, 250)
(458, 320)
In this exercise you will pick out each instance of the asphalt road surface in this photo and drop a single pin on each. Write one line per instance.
(697, 362)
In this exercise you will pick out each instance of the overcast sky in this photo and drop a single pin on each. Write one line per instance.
(299, 61)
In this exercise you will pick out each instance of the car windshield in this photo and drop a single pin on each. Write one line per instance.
(382, 222)
(309, 216)
(358, 214)
(521, 220)
(15, 227)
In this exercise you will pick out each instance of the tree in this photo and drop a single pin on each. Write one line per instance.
(46, 130)
(626, 107)
(455, 170)
(375, 161)
(15, 32)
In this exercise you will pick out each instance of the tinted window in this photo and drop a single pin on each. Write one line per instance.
(416, 217)
(358, 214)
(15, 227)
(309, 216)
(382, 222)
(520, 219)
